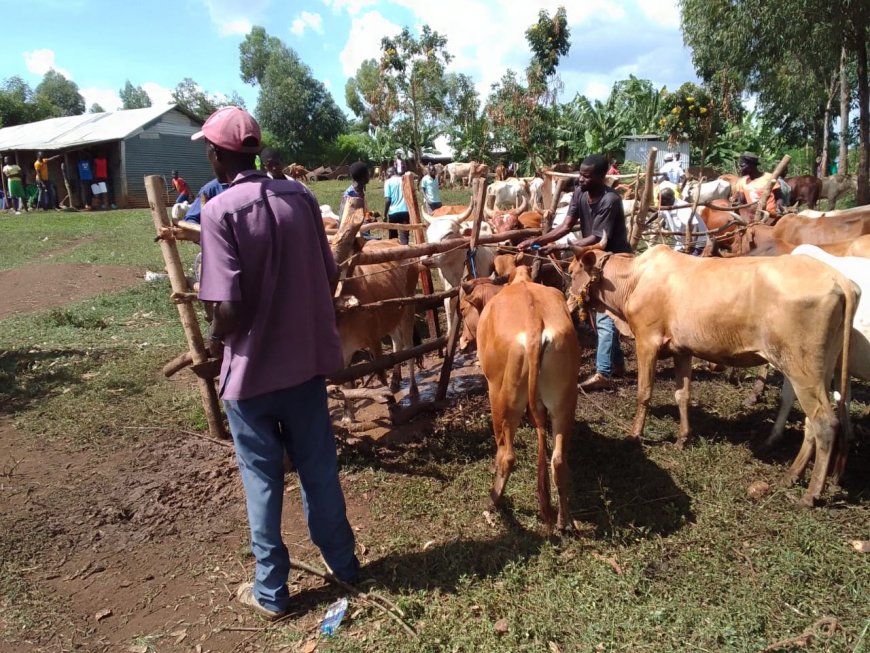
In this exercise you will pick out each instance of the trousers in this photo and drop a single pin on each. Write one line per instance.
(294, 419)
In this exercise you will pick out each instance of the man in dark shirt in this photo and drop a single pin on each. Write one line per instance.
(598, 209)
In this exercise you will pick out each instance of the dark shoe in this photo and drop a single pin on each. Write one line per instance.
(245, 596)
(596, 382)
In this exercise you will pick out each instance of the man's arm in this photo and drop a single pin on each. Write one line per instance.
(221, 271)
(559, 232)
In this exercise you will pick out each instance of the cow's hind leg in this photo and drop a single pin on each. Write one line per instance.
(683, 374)
(539, 418)
(563, 425)
(820, 430)
(786, 401)
(505, 420)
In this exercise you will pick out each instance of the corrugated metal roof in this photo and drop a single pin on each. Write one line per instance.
(76, 131)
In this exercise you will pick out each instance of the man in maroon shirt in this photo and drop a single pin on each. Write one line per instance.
(267, 267)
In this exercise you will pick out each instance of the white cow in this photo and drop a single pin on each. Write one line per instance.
(710, 190)
(857, 270)
(536, 190)
(451, 265)
(835, 186)
(508, 194)
(457, 172)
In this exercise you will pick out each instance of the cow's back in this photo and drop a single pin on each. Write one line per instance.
(800, 230)
(735, 311)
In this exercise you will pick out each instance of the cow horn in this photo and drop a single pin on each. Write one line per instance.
(426, 217)
(466, 214)
(523, 207)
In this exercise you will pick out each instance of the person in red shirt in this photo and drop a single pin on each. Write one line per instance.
(180, 187)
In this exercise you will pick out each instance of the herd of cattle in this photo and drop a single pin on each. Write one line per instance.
(786, 295)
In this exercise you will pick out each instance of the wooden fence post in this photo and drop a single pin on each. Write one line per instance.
(777, 173)
(410, 194)
(645, 200)
(453, 337)
(156, 191)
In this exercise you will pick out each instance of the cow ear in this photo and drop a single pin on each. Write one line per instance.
(588, 260)
(467, 288)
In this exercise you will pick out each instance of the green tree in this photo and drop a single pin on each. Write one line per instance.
(522, 113)
(788, 63)
(292, 105)
(191, 96)
(16, 103)
(59, 93)
(133, 97)
(412, 69)
(96, 108)
(369, 97)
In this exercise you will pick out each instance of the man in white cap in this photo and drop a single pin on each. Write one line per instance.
(672, 170)
(267, 268)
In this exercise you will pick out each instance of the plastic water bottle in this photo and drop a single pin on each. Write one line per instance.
(333, 618)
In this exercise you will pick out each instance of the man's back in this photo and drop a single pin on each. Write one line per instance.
(264, 244)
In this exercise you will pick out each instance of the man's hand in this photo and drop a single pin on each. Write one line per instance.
(527, 244)
(215, 347)
(552, 248)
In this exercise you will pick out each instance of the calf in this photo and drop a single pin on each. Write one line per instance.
(790, 311)
(805, 189)
(836, 186)
(528, 352)
(365, 329)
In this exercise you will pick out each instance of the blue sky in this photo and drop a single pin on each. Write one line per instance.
(101, 43)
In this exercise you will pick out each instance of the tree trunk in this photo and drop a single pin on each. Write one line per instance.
(845, 96)
(822, 169)
(863, 196)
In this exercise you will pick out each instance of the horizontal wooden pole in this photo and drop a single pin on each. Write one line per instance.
(370, 226)
(385, 362)
(426, 301)
(177, 364)
(415, 251)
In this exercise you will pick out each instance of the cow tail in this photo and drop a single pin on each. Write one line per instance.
(841, 451)
(534, 353)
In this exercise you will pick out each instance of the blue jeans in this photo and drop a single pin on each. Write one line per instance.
(45, 198)
(297, 419)
(609, 353)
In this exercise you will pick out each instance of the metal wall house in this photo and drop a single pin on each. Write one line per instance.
(637, 147)
(137, 142)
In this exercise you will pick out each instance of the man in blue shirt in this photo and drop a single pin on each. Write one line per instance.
(394, 207)
(359, 174)
(431, 192)
(210, 190)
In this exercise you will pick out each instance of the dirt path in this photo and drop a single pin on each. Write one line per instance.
(154, 534)
(37, 287)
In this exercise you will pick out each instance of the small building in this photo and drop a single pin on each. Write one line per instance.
(637, 148)
(135, 142)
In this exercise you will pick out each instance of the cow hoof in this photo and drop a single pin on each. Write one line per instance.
(681, 443)
(807, 501)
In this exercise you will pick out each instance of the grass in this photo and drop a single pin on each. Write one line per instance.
(671, 554)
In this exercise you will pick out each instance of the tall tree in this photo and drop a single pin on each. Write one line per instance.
(465, 123)
(522, 112)
(133, 97)
(62, 94)
(370, 99)
(413, 69)
(292, 105)
(789, 63)
(96, 108)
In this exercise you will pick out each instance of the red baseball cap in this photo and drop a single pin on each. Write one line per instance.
(229, 128)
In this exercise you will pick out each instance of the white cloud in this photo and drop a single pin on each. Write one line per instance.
(233, 18)
(159, 95)
(105, 97)
(664, 12)
(328, 84)
(353, 7)
(364, 41)
(41, 61)
(305, 20)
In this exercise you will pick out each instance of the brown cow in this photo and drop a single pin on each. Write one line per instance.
(365, 329)
(791, 311)
(500, 172)
(296, 171)
(505, 265)
(528, 351)
(805, 189)
(797, 229)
